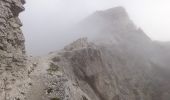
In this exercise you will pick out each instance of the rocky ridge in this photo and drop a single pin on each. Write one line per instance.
(119, 63)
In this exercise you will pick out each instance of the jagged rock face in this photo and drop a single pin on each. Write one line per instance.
(105, 75)
(109, 73)
(12, 50)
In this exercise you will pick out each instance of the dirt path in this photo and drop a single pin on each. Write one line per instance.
(37, 78)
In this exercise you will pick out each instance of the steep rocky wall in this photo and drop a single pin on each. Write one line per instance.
(12, 50)
(104, 74)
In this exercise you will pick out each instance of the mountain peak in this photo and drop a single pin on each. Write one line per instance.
(113, 24)
(116, 12)
(110, 17)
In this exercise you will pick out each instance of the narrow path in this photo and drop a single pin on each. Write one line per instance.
(37, 77)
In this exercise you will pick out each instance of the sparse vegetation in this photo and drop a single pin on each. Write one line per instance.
(56, 59)
(84, 98)
(50, 90)
(56, 98)
(53, 68)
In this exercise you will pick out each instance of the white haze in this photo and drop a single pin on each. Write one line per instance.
(44, 19)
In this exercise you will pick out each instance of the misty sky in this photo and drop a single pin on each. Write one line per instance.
(43, 19)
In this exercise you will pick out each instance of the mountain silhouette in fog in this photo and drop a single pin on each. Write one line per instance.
(117, 61)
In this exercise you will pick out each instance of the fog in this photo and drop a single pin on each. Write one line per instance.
(43, 20)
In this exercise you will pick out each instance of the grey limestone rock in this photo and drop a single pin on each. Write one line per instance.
(12, 51)
(119, 63)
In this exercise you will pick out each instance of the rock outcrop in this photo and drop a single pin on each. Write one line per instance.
(12, 51)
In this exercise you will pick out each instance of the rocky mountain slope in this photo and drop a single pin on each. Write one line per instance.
(119, 62)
